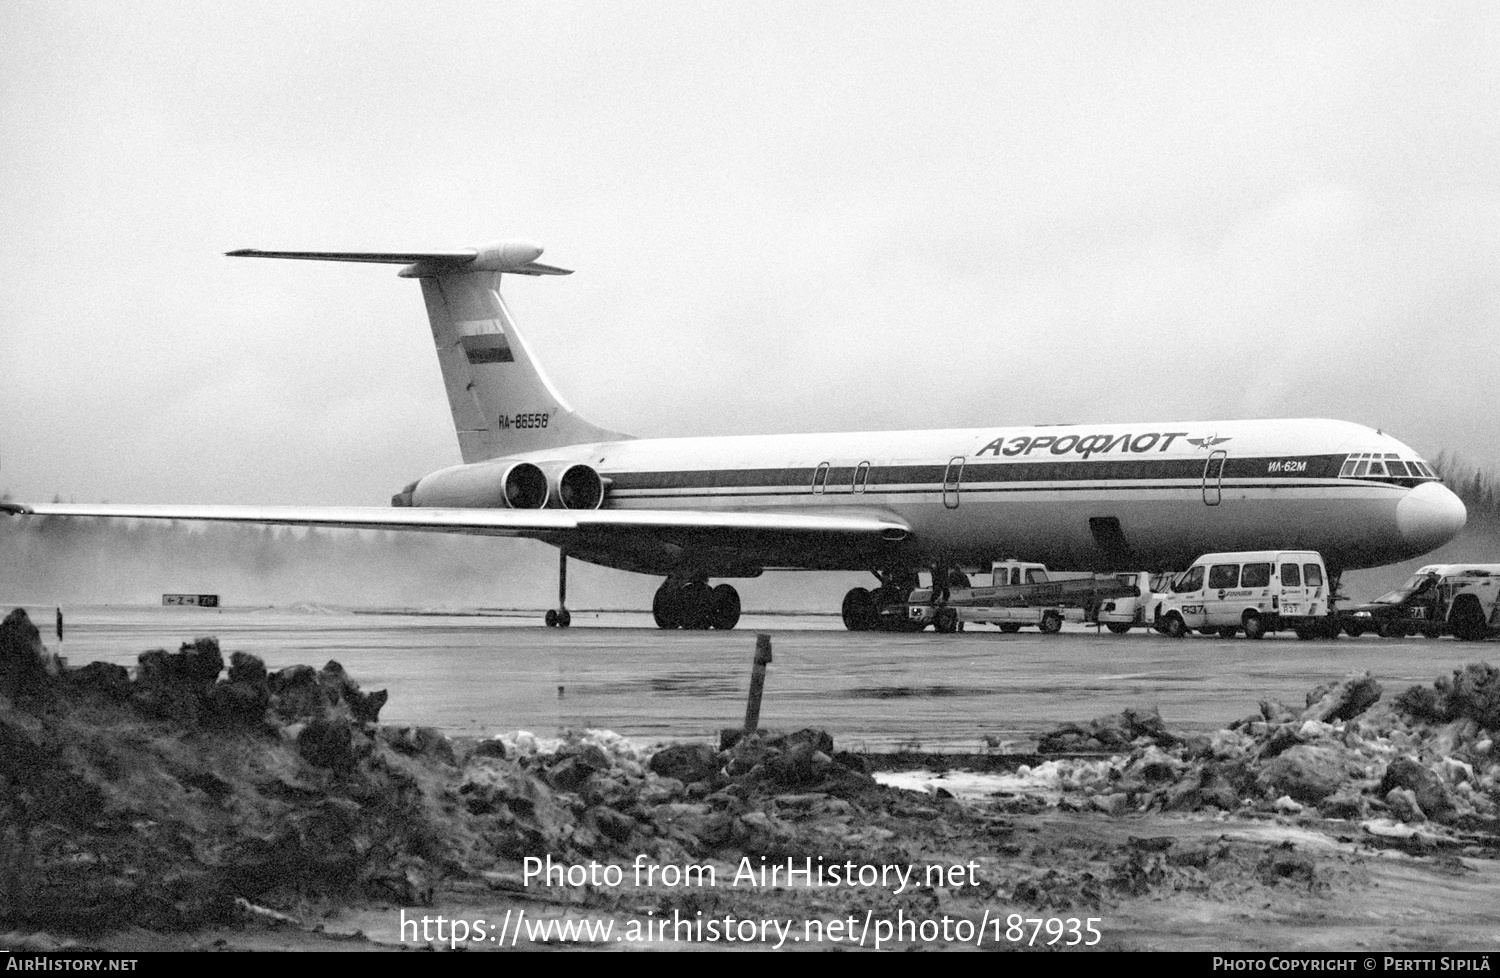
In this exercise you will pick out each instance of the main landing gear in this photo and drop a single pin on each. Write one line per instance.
(693, 604)
(884, 608)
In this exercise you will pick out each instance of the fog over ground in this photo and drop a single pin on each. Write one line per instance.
(784, 217)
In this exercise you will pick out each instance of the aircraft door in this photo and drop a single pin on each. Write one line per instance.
(1213, 478)
(820, 478)
(952, 480)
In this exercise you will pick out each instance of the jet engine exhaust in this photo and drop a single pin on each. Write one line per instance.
(579, 487)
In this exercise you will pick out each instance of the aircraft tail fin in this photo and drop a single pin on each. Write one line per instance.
(502, 402)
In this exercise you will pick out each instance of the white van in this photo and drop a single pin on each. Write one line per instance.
(1253, 592)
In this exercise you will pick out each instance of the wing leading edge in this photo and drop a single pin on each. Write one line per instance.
(650, 541)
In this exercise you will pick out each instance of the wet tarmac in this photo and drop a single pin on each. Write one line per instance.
(484, 674)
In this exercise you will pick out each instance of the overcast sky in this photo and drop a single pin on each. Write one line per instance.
(784, 217)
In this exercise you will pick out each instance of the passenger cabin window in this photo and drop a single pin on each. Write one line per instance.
(1256, 575)
(820, 478)
(1313, 575)
(1223, 576)
(861, 476)
(1189, 582)
(1291, 575)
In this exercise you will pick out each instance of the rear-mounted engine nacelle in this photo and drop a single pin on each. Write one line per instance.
(516, 485)
(579, 488)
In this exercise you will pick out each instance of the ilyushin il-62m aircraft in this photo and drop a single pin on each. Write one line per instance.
(704, 509)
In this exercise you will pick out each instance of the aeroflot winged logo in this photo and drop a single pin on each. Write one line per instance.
(1208, 442)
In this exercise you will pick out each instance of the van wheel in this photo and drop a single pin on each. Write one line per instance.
(1306, 633)
(1119, 628)
(1227, 631)
(1051, 623)
(1254, 627)
(1392, 629)
(1174, 627)
(945, 622)
(1354, 629)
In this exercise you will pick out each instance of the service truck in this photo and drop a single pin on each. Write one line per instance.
(1123, 613)
(1018, 594)
(1462, 600)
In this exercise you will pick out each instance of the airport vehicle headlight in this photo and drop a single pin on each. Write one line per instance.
(1362, 614)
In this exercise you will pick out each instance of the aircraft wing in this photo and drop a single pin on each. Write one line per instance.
(648, 540)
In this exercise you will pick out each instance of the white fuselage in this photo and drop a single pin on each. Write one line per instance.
(1112, 496)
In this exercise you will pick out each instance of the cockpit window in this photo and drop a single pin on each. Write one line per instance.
(1386, 467)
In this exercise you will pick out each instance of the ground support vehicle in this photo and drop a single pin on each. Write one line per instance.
(1018, 594)
(1250, 592)
(1123, 613)
(1462, 600)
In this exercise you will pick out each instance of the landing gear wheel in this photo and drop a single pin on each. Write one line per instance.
(726, 607)
(859, 611)
(564, 618)
(1174, 627)
(892, 596)
(551, 618)
(696, 609)
(945, 621)
(1051, 623)
(1225, 632)
(1254, 627)
(666, 606)
(1467, 619)
(1119, 628)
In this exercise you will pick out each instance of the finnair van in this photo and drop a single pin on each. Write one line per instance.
(1252, 592)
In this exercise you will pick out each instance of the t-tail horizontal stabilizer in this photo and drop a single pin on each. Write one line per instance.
(510, 257)
(502, 402)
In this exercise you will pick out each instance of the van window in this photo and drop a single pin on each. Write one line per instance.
(1291, 575)
(1313, 575)
(1035, 576)
(1224, 576)
(1256, 575)
(1191, 581)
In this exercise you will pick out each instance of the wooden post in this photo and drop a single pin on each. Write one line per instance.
(757, 683)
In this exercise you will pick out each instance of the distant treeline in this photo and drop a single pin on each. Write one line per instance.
(1478, 488)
